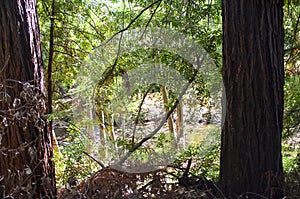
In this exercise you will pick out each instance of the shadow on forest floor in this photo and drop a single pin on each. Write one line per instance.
(164, 183)
(113, 184)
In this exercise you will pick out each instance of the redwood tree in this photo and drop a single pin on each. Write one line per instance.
(26, 168)
(253, 79)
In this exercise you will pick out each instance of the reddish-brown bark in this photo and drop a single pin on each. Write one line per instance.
(253, 79)
(26, 168)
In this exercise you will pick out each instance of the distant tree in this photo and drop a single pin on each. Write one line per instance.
(26, 167)
(253, 75)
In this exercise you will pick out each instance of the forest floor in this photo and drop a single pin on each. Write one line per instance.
(113, 184)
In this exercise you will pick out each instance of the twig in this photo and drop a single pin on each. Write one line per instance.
(187, 170)
(97, 161)
(110, 71)
(139, 111)
(146, 185)
(291, 49)
(152, 15)
(134, 19)
(219, 190)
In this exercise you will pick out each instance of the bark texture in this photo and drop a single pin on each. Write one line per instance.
(26, 168)
(253, 79)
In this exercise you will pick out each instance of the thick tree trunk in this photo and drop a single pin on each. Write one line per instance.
(253, 80)
(26, 168)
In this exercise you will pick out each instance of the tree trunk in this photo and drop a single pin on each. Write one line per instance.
(170, 122)
(26, 168)
(102, 136)
(179, 126)
(253, 80)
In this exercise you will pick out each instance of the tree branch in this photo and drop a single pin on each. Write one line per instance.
(134, 19)
(139, 144)
(97, 161)
(139, 111)
(151, 18)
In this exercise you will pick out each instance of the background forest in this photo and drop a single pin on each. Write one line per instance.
(81, 26)
(72, 31)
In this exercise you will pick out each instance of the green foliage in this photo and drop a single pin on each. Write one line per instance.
(72, 162)
(291, 167)
(80, 26)
(292, 68)
(76, 32)
(292, 106)
(204, 155)
(290, 164)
